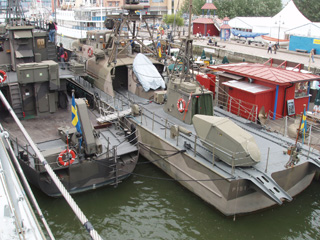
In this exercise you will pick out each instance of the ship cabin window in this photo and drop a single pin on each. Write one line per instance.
(117, 4)
(110, 4)
(301, 90)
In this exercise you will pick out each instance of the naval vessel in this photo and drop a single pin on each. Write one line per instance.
(83, 153)
(231, 163)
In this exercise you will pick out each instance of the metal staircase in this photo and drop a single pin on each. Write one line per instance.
(16, 101)
(51, 50)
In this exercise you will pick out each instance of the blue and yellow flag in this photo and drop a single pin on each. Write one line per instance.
(304, 125)
(159, 48)
(74, 115)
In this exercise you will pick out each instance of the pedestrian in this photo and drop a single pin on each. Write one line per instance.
(208, 33)
(275, 48)
(61, 55)
(312, 54)
(52, 30)
(270, 47)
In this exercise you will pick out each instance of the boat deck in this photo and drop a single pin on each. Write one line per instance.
(43, 130)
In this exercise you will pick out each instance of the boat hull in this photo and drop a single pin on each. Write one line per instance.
(229, 196)
(77, 178)
(281, 42)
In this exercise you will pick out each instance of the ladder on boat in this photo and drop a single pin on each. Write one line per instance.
(16, 100)
(265, 183)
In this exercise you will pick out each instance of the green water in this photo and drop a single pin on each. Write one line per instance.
(145, 208)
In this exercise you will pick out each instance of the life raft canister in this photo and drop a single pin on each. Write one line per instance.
(90, 52)
(3, 76)
(181, 105)
(66, 163)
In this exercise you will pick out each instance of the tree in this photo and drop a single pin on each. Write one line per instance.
(169, 20)
(237, 8)
(309, 8)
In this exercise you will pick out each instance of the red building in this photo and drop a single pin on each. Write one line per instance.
(279, 90)
(206, 26)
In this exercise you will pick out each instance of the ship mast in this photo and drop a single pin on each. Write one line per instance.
(14, 13)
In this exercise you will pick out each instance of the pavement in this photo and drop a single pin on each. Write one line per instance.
(260, 51)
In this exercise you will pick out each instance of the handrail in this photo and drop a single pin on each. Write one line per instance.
(52, 174)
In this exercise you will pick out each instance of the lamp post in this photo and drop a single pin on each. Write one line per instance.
(279, 28)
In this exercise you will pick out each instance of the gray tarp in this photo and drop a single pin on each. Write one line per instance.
(147, 74)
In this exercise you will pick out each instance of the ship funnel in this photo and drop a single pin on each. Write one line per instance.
(229, 142)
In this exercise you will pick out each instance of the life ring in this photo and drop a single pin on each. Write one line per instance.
(90, 52)
(3, 76)
(181, 105)
(60, 159)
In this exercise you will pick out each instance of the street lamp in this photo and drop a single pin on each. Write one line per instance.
(279, 28)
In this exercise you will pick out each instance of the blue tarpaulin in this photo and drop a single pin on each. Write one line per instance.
(246, 34)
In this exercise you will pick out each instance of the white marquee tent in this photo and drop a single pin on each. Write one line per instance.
(288, 18)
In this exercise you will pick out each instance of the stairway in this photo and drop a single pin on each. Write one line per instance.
(52, 52)
(16, 100)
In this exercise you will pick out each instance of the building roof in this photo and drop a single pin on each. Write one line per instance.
(203, 20)
(248, 87)
(278, 76)
(209, 6)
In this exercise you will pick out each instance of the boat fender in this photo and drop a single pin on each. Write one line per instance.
(181, 105)
(90, 52)
(66, 163)
(3, 76)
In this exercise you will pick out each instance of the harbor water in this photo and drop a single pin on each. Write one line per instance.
(151, 205)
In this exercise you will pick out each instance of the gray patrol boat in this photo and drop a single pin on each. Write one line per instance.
(229, 162)
(84, 154)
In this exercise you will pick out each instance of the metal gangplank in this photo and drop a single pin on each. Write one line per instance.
(265, 183)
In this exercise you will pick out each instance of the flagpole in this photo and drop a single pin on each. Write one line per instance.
(299, 129)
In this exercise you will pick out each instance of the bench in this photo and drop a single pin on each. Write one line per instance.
(301, 50)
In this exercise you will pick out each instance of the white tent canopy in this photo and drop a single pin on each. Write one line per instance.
(311, 30)
(288, 18)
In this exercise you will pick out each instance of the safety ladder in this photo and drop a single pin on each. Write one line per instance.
(16, 100)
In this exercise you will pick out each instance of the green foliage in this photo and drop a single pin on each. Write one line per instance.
(247, 8)
(169, 19)
(237, 8)
(196, 6)
(309, 8)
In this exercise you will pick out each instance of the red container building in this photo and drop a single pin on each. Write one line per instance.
(281, 91)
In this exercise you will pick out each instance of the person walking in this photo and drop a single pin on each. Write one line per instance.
(312, 54)
(52, 30)
(269, 47)
(61, 55)
(275, 48)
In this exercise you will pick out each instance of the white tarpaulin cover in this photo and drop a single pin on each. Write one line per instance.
(147, 74)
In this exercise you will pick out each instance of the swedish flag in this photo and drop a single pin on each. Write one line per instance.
(159, 48)
(304, 125)
(74, 115)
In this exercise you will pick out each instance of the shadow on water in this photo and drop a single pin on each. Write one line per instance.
(144, 208)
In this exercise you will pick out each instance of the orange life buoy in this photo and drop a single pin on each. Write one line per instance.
(90, 52)
(66, 163)
(181, 105)
(3, 76)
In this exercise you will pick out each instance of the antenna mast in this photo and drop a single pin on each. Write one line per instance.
(14, 12)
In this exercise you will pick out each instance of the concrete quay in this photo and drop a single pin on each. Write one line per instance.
(238, 52)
